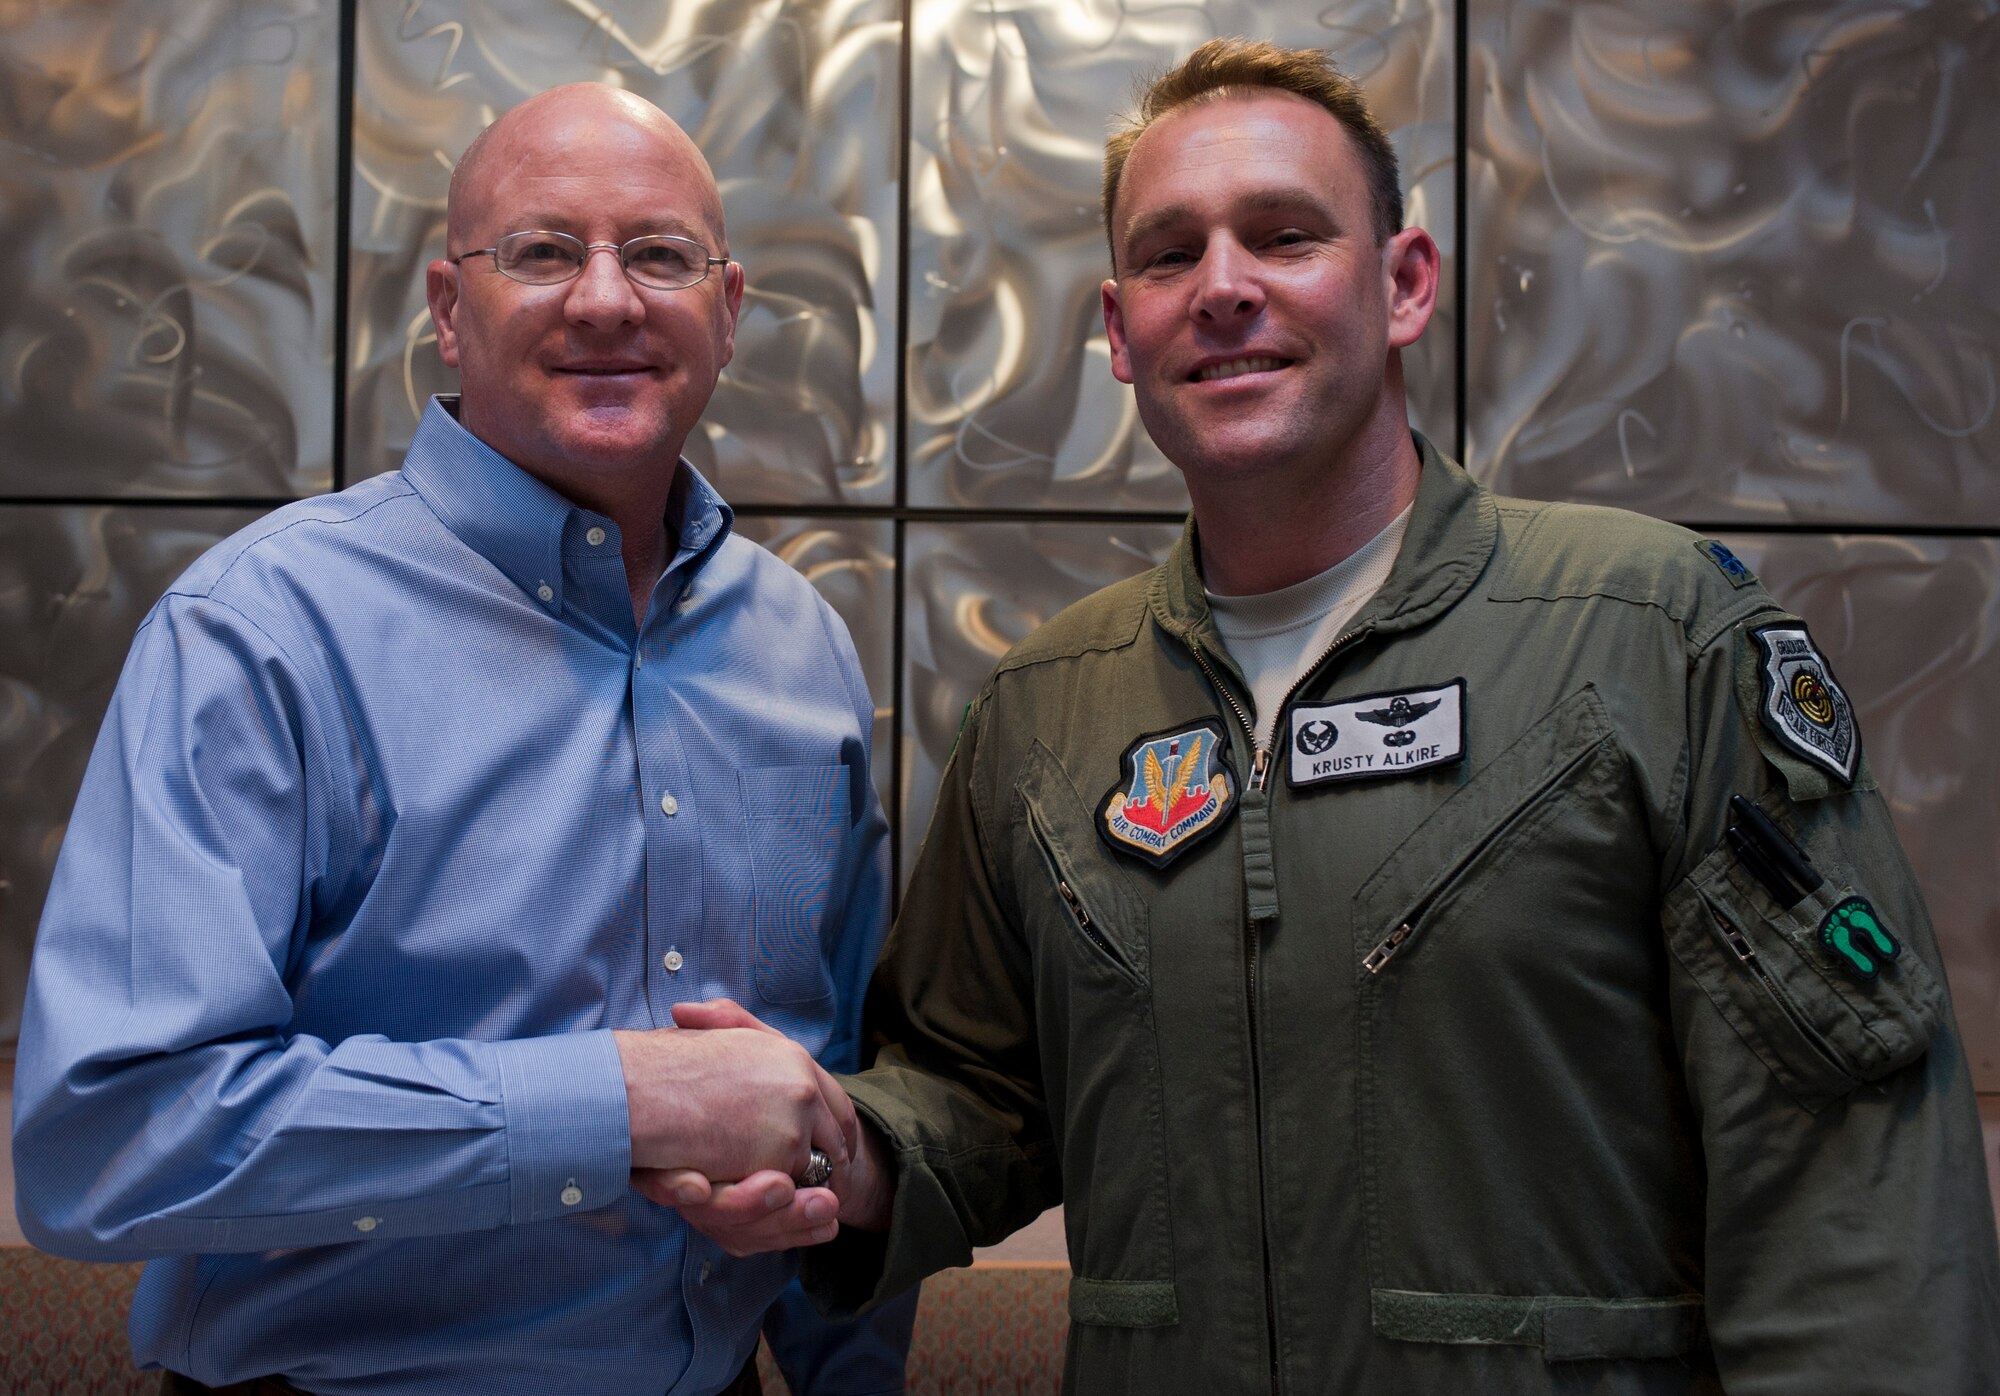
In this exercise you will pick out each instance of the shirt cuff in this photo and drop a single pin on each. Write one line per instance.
(569, 1135)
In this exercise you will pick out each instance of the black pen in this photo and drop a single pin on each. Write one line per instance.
(1779, 849)
(1762, 868)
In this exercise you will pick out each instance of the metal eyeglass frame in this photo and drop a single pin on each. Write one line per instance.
(584, 258)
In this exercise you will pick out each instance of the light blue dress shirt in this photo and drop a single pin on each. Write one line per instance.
(395, 814)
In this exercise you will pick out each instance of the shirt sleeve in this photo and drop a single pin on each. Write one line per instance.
(1850, 1240)
(161, 1105)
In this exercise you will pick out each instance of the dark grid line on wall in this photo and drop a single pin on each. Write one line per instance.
(1461, 222)
(343, 165)
(900, 436)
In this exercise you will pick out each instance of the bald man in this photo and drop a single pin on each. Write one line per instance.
(423, 810)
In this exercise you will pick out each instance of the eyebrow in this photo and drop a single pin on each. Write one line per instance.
(564, 223)
(1258, 201)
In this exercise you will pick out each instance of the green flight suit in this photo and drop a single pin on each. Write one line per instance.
(1498, 1074)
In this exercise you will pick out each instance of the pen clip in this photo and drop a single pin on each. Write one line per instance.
(1789, 858)
(1763, 869)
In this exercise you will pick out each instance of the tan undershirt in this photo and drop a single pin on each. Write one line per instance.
(1276, 635)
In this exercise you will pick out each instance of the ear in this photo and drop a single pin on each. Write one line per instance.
(732, 305)
(1410, 268)
(441, 291)
(1114, 330)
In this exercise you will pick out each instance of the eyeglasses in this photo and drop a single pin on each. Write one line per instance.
(662, 261)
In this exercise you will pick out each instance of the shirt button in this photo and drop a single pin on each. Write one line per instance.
(669, 806)
(546, 592)
(673, 961)
(594, 537)
(366, 1223)
(707, 1269)
(572, 1195)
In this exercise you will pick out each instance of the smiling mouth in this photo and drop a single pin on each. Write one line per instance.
(603, 370)
(1236, 368)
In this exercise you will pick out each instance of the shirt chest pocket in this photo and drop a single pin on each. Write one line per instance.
(797, 819)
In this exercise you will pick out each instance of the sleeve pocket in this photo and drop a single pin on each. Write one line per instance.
(797, 818)
(1820, 1031)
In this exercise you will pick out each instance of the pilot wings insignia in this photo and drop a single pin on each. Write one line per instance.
(1401, 712)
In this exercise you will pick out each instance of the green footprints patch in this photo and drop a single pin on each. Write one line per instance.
(1860, 943)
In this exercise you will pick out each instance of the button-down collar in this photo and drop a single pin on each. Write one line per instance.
(522, 526)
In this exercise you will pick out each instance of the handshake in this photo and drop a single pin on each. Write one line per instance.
(726, 1113)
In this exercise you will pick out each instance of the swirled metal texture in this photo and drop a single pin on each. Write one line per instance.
(971, 592)
(1011, 399)
(796, 106)
(168, 213)
(1734, 262)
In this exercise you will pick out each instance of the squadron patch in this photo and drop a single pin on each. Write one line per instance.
(1176, 787)
(1731, 565)
(1384, 734)
(1802, 705)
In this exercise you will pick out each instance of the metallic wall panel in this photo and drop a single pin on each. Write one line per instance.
(972, 591)
(796, 106)
(1734, 262)
(74, 585)
(1912, 628)
(1011, 399)
(853, 564)
(168, 193)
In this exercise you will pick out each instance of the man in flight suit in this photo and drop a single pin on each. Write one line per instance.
(1429, 942)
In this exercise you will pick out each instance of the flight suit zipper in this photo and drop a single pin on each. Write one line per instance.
(1746, 955)
(1260, 777)
(1079, 913)
(1393, 944)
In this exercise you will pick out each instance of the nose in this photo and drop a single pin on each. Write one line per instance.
(1227, 284)
(602, 296)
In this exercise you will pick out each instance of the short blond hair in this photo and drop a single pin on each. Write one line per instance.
(1231, 67)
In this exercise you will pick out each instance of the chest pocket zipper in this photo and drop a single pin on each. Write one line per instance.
(1080, 915)
(1393, 944)
(1746, 954)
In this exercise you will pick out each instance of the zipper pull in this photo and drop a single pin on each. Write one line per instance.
(1075, 904)
(1386, 951)
(1739, 944)
(1260, 769)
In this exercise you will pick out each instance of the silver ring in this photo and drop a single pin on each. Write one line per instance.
(819, 1168)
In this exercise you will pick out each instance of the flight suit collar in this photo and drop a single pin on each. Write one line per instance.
(1452, 532)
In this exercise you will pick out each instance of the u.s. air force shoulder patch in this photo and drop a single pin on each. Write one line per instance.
(1175, 788)
(1802, 705)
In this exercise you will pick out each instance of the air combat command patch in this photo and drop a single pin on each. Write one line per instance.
(1802, 705)
(1175, 788)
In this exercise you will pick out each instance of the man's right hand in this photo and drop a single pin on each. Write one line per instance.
(767, 1211)
(728, 1102)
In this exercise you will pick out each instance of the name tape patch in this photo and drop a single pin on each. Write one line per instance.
(1175, 788)
(1803, 706)
(1383, 734)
